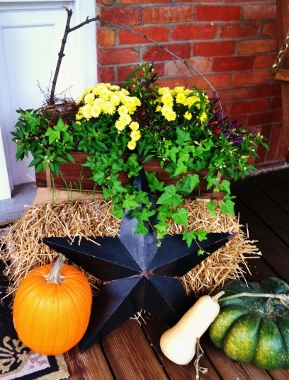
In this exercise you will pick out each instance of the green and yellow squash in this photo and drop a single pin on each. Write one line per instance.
(253, 324)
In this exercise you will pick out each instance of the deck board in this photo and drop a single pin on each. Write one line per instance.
(132, 352)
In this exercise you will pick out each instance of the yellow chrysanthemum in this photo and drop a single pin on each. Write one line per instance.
(203, 117)
(134, 125)
(163, 90)
(168, 113)
(115, 100)
(120, 125)
(192, 100)
(135, 135)
(122, 110)
(131, 145)
(108, 108)
(95, 111)
(179, 89)
(125, 119)
(188, 115)
(86, 110)
(181, 98)
(89, 98)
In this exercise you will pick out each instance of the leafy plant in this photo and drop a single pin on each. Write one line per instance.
(124, 127)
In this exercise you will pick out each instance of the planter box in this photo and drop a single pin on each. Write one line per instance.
(74, 176)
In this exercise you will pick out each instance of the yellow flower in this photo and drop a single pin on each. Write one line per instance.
(179, 89)
(108, 108)
(188, 115)
(203, 117)
(122, 110)
(89, 98)
(181, 98)
(86, 110)
(134, 125)
(95, 111)
(135, 135)
(115, 100)
(168, 113)
(125, 119)
(163, 90)
(131, 145)
(119, 125)
(192, 100)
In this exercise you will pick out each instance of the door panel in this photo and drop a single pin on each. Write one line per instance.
(30, 39)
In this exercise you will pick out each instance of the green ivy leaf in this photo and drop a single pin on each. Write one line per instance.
(129, 202)
(187, 184)
(228, 207)
(169, 197)
(212, 208)
(181, 216)
(225, 186)
(201, 235)
(189, 236)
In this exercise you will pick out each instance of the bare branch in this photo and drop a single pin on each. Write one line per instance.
(98, 18)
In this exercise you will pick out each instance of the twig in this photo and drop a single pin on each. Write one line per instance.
(98, 18)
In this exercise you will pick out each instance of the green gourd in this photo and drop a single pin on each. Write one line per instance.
(253, 323)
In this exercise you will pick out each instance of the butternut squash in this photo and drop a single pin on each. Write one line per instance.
(179, 342)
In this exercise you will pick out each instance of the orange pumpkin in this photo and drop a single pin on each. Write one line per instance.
(52, 308)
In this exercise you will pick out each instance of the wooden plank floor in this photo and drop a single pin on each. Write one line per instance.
(132, 351)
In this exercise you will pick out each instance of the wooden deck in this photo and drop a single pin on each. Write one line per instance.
(132, 351)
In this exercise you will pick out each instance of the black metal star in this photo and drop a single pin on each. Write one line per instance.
(137, 273)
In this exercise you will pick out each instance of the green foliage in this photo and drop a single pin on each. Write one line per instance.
(122, 128)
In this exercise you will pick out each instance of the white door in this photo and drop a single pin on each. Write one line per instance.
(30, 39)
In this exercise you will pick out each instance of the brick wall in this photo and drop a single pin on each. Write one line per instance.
(233, 43)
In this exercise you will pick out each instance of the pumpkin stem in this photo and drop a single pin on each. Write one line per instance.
(54, 276)
(281, 297)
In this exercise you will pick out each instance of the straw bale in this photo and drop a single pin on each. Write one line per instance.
(23, 250)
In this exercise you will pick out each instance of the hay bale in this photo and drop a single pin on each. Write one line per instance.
(90, 218)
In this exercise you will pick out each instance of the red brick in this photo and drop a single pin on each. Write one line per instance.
(264, 61)
(274, 142)
(165, 15)
(157, 33)
(217, 13)
(276, 102)
(234, 93)
(198, 1)
(105, 74)
(265, 118)
(259, 12)
(122, 15)
(251, 77)
(193, 32)
(239, 30)
(282, 147)
(178, 68)
(257, 46)
(211, 49)
(266, 90)
(145, 2)
(270, 29)
(232, 63)
(216, 80)
(172, 82)
(105, 2)
(250, 106)
(156, 53)
(105, 37)
(116, 56)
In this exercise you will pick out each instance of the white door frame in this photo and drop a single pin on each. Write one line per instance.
(83, 63)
